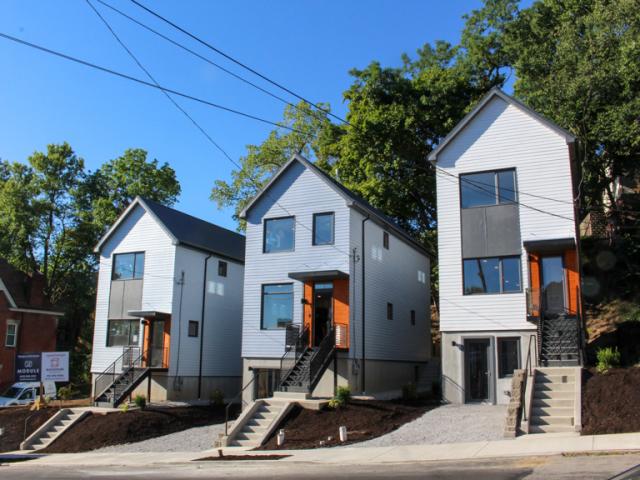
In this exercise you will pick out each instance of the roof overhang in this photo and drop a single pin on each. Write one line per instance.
(318, 275)
(147, 314)
(549, 245)
(53, 313)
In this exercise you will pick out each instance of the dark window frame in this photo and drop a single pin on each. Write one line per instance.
(496, 186)
(389, 311)
(413, 317)
(499, 342)
(128, 320)
(133, 274)
(262, 287)
(222, 268)
(385, 240)
(500, 274)
(264, 234)
(333, 228)
(193, 328)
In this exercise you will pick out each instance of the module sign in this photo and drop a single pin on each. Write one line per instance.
(55, 366)
(28, 367)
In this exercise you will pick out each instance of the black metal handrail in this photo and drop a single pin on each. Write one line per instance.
(296, 343)
(103, 381)
(232, 401)
(323, 353)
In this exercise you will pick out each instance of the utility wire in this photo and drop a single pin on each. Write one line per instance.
(237, 62)
(143, 82)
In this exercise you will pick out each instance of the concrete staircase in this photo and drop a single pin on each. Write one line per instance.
(257, 422)
(53, 428)
(556, 402)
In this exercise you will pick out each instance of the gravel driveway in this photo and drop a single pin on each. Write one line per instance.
(194, 439)
(447, 424)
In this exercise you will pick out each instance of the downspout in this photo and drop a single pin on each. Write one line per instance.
(363, 309)
(204, 297)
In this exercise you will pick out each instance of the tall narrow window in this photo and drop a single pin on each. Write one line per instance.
(508, 356)
(385, 240)
(279, 235)
(193, 328)
(413, 317)
(389, 311)
(11, 339)
(222, 268)
(128, 266)
(277, 306)
(323, 228)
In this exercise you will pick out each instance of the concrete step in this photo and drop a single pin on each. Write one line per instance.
(552, 411)
(550, 428)
(543, 378)
(555, 387)
(553, 394)
(252, 437)
(546, 420)
(553, 403)
(257, 429)
(242, 443)
(556, 370)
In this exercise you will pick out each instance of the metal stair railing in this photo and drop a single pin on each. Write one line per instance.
(108, 377)
(321, 357)
(296, 343)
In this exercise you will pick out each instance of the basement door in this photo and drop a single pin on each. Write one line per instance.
(477, 361)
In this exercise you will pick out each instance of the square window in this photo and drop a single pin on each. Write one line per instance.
(128, 266)
(413, 317)
(508, 356)
(123, 333)
(222, 268)
(385, 240)
(11, 338)
(323, 228)
(279, 235)
(277, 306)
(389, 311)
(193, 328)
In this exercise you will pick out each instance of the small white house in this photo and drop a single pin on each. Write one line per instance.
(335, 292)
(168, 308)
(507, 248)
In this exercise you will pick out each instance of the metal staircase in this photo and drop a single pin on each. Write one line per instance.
(560, 341)
(128, 371)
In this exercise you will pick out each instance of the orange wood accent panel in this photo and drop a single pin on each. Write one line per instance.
(341, 311)
(573, 279)
(166, 342)
(146, 341)
(534, 281)
(308, 310)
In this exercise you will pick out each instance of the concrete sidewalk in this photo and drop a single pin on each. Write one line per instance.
(531, 445)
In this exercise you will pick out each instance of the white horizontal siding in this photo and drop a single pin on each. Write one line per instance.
(139, 232)
(223, 316)
(500, 136)
(301, 193)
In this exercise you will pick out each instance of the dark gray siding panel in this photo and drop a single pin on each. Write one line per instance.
(125, 295)
(490, 231)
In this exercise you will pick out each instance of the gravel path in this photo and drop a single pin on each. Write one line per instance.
(194, 439)
(447, 424)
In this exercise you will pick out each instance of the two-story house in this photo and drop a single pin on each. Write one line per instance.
(335, 293)
(168, 308)
(508, 250)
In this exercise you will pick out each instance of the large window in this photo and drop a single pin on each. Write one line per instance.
(127, 266)
(323, 228)
(487, 188)
(508, 356)
(279, 234)
(11, 339)
(492, 275)
(277, 306)
(122, 333)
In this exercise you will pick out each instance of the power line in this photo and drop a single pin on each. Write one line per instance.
(196, 54)
(237, 62)
(143, 82)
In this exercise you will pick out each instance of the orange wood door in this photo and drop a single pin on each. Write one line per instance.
(573, 280)
(341, 312)
(308, 310)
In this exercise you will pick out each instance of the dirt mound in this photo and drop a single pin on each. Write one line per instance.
(97, 431)
(610, 402)
(15, 430)
(614, 325)
(364, 420)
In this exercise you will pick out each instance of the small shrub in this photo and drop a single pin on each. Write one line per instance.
(140, 401)
(65, 393)
(343, 394)
(124, 408)
(409, 392)
(607, 358)
(335, 403)
(217, 398)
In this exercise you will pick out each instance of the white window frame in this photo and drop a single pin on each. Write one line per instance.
(16, 324)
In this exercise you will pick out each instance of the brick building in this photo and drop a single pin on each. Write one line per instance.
(28, 321)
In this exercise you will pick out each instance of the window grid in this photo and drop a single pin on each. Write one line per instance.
(222, 268)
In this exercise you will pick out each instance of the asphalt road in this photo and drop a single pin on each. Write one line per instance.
(584, 467)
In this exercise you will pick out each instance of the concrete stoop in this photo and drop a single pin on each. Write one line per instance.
(556, 400)
(52, 429)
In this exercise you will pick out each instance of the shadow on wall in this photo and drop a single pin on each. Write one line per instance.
(451, 389)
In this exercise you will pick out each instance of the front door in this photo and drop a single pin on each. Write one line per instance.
(478, 369)
(553, 285)
(322, 310)
(156, 344)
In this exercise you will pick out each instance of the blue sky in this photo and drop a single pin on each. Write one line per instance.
(307, 46)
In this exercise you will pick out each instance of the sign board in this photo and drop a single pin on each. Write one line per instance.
(55, 367)
(28, 367)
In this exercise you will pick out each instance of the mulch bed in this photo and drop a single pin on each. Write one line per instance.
(12, 421)
(610, 401)
(98, 430)
(364, 420)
